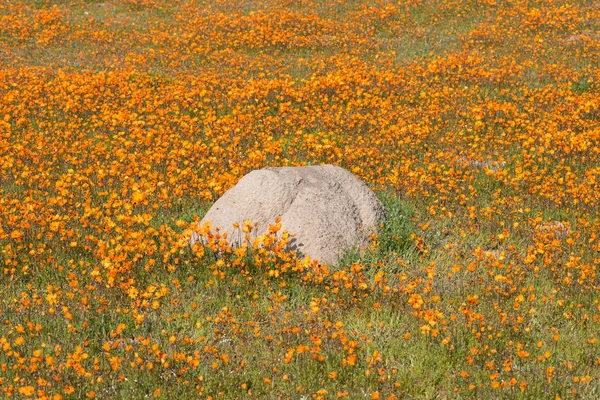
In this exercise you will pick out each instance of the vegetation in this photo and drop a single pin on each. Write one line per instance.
(477, 123)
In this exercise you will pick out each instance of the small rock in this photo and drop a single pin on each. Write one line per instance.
(493, 166)
(556, 228)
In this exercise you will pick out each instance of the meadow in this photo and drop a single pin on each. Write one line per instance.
(476, 122)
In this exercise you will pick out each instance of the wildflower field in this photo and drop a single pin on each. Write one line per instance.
(476, 122)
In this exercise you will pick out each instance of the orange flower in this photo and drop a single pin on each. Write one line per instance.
(27, 390)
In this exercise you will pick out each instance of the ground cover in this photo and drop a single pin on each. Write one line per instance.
(477, 123)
